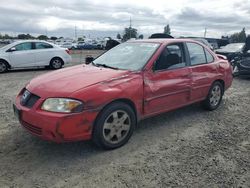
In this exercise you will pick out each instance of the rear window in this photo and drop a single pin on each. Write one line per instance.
(210, 58)
(197, 55)
(42, 45)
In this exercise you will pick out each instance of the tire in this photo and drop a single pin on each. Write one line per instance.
(114, 126)
(3, 67)
(56, 63)
(214, 97)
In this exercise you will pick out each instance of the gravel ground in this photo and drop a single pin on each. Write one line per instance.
(188, 147)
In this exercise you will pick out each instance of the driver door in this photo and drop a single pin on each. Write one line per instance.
(22, 56)
(168, 85)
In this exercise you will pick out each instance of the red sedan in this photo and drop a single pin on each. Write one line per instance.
(105, 99)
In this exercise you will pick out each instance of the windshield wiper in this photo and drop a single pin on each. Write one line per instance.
(105, 66)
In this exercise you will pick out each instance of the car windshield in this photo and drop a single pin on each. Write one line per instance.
(234, 47)
(128, 56)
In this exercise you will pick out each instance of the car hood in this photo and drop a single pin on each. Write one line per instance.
(62, 83)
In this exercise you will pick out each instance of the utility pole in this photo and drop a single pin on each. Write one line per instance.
(75, 33)
(205, 32)
(130, 27)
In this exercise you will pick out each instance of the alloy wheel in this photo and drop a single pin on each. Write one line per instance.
(215, 95)
(116, 127)
(56, 64)
(3, 67)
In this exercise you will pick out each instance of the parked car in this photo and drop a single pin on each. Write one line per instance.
(241, 64)
(231, 50)
(135, 80)
(111, 43)
(160, 36)
(85, 46)
(32, 53)
(69, 45)
(205, 42)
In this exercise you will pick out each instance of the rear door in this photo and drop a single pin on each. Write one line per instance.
(203, 68)
(44, 52)
(168, 85)
(23, 56)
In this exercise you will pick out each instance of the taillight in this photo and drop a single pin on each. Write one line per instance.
(68, 51)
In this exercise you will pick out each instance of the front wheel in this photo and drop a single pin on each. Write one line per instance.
(3, 67)
(56, 63)
(114, 126)
(214, 97)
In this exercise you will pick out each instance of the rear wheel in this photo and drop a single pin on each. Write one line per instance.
(214, 97)
(3, 67)
(56, 63)
(114, 126)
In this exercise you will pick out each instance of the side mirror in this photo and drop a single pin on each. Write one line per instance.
(12, 49)
(89, 59)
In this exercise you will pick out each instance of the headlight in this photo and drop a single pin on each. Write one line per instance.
(63, 105)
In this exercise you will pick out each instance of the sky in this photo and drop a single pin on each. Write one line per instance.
(102, 18)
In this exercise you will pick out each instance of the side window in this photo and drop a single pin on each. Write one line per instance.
(42, 45)
(196, 52)
(210, 58)
(24, 46)
(172, 57)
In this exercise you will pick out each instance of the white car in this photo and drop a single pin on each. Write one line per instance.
(32, 53)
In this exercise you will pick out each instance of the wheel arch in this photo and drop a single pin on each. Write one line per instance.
(122, 100)
(222, 83)
(57, 57)
(4, 60)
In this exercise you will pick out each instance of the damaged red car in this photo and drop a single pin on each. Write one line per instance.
(104, 100)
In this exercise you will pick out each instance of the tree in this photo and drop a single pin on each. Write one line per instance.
(42, 37)
(25, 36)
(141, 36)
(242, 35)
(53, 38)
(238, 37)
(167, 30)
(129, 33)
(80, 39)
(118, 36)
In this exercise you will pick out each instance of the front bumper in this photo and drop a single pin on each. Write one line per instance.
(56, 127)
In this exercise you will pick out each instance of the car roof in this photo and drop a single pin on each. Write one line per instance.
(165, 41)
(22, 41)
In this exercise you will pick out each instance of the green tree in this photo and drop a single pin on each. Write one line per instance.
(53, 38)
(242, 35)
(118, 36)
(141, 36)
(238, 37)
(80, 39)
(42, 37)
(167, 30)
(129, 33)
(25, 36)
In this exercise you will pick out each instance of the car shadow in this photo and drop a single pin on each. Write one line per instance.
(29, 151)
(28, 70)
(144, 128)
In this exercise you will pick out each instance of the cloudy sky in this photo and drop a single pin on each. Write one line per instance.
(109, 17)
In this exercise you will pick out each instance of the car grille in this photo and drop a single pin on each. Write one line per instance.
(29, 99)
(245, 62)
(33, 129)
